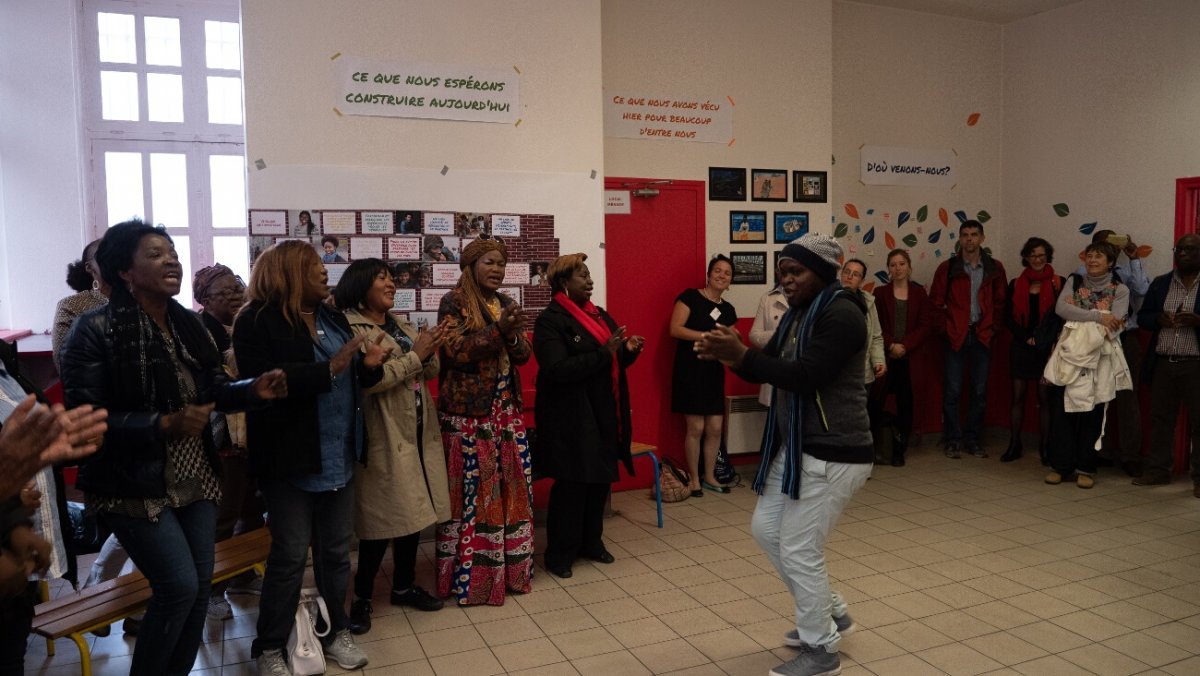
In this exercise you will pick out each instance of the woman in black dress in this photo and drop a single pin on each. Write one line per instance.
(698, 387)
(1032, 295)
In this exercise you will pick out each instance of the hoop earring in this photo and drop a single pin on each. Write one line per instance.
(95, 285)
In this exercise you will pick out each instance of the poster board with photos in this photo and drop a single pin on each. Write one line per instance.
(420, 247)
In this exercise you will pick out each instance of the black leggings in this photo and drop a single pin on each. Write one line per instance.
(370, 556)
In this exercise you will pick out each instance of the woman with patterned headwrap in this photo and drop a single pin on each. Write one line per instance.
(487, 546)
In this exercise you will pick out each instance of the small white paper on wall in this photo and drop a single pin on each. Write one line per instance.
(338, 222)
(506, 226)
(365, 247)
(377, 222)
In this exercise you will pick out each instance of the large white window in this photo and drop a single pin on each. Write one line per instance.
(163, 121)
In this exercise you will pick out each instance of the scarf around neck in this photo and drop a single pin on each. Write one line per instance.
(1046, 300)
(589, 318)
(793, 446)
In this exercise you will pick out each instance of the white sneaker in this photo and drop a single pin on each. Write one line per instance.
(345, 651)
(271, 663)
(219, 609)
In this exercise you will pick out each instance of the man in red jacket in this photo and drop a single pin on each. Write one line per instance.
(968, 295)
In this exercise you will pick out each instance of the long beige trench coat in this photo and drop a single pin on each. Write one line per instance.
(397, 492)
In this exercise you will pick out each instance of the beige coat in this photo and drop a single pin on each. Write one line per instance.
(397, 493)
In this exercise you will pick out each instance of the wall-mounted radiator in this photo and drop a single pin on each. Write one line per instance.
(744, 420)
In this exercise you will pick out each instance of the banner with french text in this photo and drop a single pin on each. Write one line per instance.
(429, 91)
(882, 165)
(701, 119)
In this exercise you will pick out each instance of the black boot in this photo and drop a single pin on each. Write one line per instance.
(899, 448)
(1013, 452)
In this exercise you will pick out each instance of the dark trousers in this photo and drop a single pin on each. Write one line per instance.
(16, 617)
(241, 509)
(974, 357)
(297, 518)
(370, 556)
(575, 521)
(1174, 383)
(899, 383)
(1073, 436)
(1128, 410)
(175, 554)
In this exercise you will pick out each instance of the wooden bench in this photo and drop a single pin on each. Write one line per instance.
(75, 614)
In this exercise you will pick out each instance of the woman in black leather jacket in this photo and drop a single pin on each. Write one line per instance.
(150, 361)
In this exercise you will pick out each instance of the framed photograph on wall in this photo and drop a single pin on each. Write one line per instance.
(726, 184)
(790, 225)
(747, 226)
(749, 267)
(768, 185)
(810, 186)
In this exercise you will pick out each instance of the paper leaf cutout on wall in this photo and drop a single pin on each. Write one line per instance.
(937, 253)
(869, 237)
(851, 210)
(1144, 250)
(1062, 209)
(922, 213)
(961, 216)
(858, 227)
(943, 217)
(952, 235)
(910, 240)
(901, 219)
(868, 287)
(841, 230)
(1087, 228)
(935, 236)
(889, 241)
(882, 276)
(870, 211)
(972, 119)
(1083, 255)
(983, 216)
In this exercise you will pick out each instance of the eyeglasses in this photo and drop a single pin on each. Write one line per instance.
(852, 274)
(497, 240)
(1036, 257)
(1186, 249)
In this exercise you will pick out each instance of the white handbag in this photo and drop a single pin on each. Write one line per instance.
(304, 650)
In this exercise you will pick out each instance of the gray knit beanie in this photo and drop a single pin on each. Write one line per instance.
(819, 253)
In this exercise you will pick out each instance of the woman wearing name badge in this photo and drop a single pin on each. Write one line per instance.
(698, 387)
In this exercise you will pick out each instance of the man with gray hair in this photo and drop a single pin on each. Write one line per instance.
(816, 449)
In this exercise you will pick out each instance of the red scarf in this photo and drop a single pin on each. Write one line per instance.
(588, 316)
(1046, 297)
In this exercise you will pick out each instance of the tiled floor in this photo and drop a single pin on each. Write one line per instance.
(958, 567)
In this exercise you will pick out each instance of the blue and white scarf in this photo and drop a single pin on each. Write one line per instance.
(795, 442)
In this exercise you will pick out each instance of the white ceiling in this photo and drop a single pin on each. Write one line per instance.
(991, 11)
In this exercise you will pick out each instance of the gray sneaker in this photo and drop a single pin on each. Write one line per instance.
(845, 626)
(812, 661)
(271, 663)
(345, 651)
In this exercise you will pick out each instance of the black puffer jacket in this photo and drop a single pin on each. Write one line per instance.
(132, 459)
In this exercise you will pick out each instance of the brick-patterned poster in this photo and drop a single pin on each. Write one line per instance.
(421, 248)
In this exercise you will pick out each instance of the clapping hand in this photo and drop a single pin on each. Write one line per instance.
(271, 385)
(429, 340)
(721, 344)
(342, 359)
(635, 344)
(512, 320)
(188, 421)
(374, 354)
(615, 340)
(35, 436)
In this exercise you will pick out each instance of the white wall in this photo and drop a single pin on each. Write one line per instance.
(42, 222)
(772, 57)
(909, 79)
(1102, 100)
(317, 159)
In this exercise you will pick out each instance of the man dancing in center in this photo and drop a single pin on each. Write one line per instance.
(816, 449)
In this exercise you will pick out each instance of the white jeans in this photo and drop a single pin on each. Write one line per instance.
(793, 534)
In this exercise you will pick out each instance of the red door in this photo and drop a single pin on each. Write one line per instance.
(654, 253)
